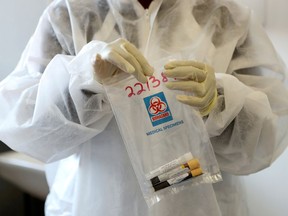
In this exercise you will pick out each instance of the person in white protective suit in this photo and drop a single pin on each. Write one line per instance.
(54, 108)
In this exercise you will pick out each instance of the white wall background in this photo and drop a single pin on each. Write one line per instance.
(18, 20)
(267, 190)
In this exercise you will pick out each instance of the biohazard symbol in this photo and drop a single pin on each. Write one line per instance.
(157, 106)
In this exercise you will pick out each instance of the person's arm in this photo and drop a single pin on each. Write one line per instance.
(248, 128)
(50, 105)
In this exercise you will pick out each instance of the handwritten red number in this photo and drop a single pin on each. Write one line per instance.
(164, 78)
(141, 88)
(155, 80)
(131, 91)
(148, 86)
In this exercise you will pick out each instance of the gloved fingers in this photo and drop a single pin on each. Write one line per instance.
(117, 55)
(197, 78)
(147, 69)
(206, 110)
(203, 103)
(102, 68)
(138, 72)
(191, 100)
(127, 63)
(198, 89)
(186, 73)
(119, 61)
(179, 63)
(131, 54)
(140, 77)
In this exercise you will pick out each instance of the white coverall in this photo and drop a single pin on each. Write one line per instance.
(53, 109)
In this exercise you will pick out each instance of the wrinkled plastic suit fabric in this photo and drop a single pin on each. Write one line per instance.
(54, 110)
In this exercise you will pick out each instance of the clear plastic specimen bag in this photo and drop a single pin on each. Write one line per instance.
(166, 140)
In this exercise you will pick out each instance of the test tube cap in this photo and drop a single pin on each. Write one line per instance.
(196, 172)
(193, 164)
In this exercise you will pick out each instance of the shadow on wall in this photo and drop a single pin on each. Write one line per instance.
(14, 202)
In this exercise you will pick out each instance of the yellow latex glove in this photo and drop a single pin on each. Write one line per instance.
(197, 78)
(121, 56)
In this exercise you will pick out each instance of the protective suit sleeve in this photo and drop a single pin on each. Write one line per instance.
(248, 128)
(50, 104)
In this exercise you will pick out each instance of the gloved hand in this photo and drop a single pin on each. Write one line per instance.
(121, 56)
(197, 78)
